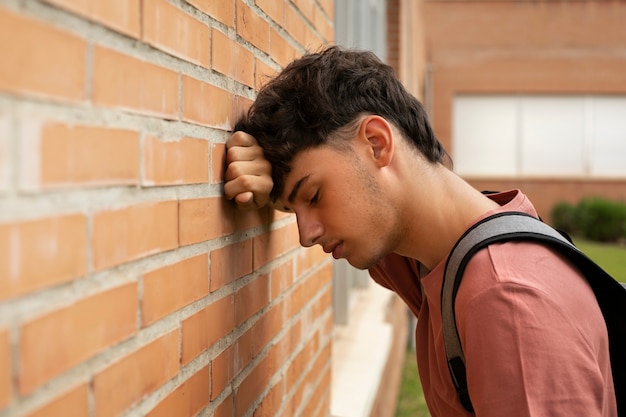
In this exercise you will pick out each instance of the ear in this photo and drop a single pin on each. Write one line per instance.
(377, 134)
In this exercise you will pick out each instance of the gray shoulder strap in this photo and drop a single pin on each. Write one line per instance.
(502, 226)
(483, 232)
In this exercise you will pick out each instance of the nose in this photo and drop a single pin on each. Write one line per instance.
(310, 229)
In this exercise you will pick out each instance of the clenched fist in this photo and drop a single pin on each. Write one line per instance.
(248, 177)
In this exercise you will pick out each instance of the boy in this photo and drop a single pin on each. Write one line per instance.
(337, 140)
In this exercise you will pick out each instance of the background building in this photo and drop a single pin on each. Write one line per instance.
(531, 95)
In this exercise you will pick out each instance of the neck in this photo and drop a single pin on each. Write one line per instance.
(440, 210)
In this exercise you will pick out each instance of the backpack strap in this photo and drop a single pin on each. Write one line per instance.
(509, 226)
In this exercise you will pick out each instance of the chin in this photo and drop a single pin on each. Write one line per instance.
(364, 264)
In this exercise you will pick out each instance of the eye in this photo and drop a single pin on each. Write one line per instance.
(315, 198)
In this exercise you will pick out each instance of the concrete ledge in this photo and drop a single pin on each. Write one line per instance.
(360, 353)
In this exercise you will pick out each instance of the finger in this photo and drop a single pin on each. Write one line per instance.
(258, 167)
(259, 186)
(240, 139)
(244, 153)
(244, 199)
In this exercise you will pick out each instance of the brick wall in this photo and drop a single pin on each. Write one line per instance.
(128, 286)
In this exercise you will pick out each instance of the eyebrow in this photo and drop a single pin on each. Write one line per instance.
(296, 188)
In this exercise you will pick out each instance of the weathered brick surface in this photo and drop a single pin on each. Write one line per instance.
(128, 284)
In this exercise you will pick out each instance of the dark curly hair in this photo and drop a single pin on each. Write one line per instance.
(318, 94)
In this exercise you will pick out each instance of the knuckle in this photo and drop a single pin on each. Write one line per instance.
(233, 171)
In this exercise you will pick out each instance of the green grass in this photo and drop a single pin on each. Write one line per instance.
(612, 258)
(411, 401)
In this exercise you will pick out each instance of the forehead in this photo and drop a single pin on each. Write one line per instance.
(309, 166)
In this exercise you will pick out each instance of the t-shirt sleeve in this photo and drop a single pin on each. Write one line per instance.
(528, 354)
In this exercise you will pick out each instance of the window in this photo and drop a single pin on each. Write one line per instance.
(539, 136)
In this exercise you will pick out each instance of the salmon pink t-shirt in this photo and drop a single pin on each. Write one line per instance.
(534, 338)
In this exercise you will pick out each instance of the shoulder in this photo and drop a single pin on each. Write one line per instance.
(525, 273)
(524, 263)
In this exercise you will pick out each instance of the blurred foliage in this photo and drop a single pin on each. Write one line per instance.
(593, 218)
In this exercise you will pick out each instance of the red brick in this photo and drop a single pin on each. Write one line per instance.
(328, 7)
(298, 377)
(324, 25)
(271, 402)
(295, 25)
(218, 162)
(73, 403)
(172, 30)
(172, 287)
(275, 9)
(315, 401)
(225, 409)
(324, 303)
(297, 299)
(188, 399)
(252, 27)
(204, 219)
(171, 163)
(41, 253)
(6, 375)
(206, 104)
(314, 283)
(75, 333)
(249, 219)
(241, 106)
(82, 155)
(275, 243)
(206, 327)
(125, 382)
(133, 232)
(40, 59)
(244, 351)
(296, 369)
(309, 258)
(267, 327)
(304, 6)
(222, 371)
(251, 298)
(258, 379)
(281, 279)
(121, 15)
(223, 10)
(230, 263)
(251, 387)
(263, 73)
(126, 82)
(232, 59)
(280, 49)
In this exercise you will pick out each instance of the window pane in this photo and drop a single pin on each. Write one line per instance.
(608, 158)
(552, 136)
(484, 136)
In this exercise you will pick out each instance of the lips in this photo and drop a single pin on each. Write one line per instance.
(335, 249)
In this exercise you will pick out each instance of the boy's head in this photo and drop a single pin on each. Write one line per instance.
(313, 101)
